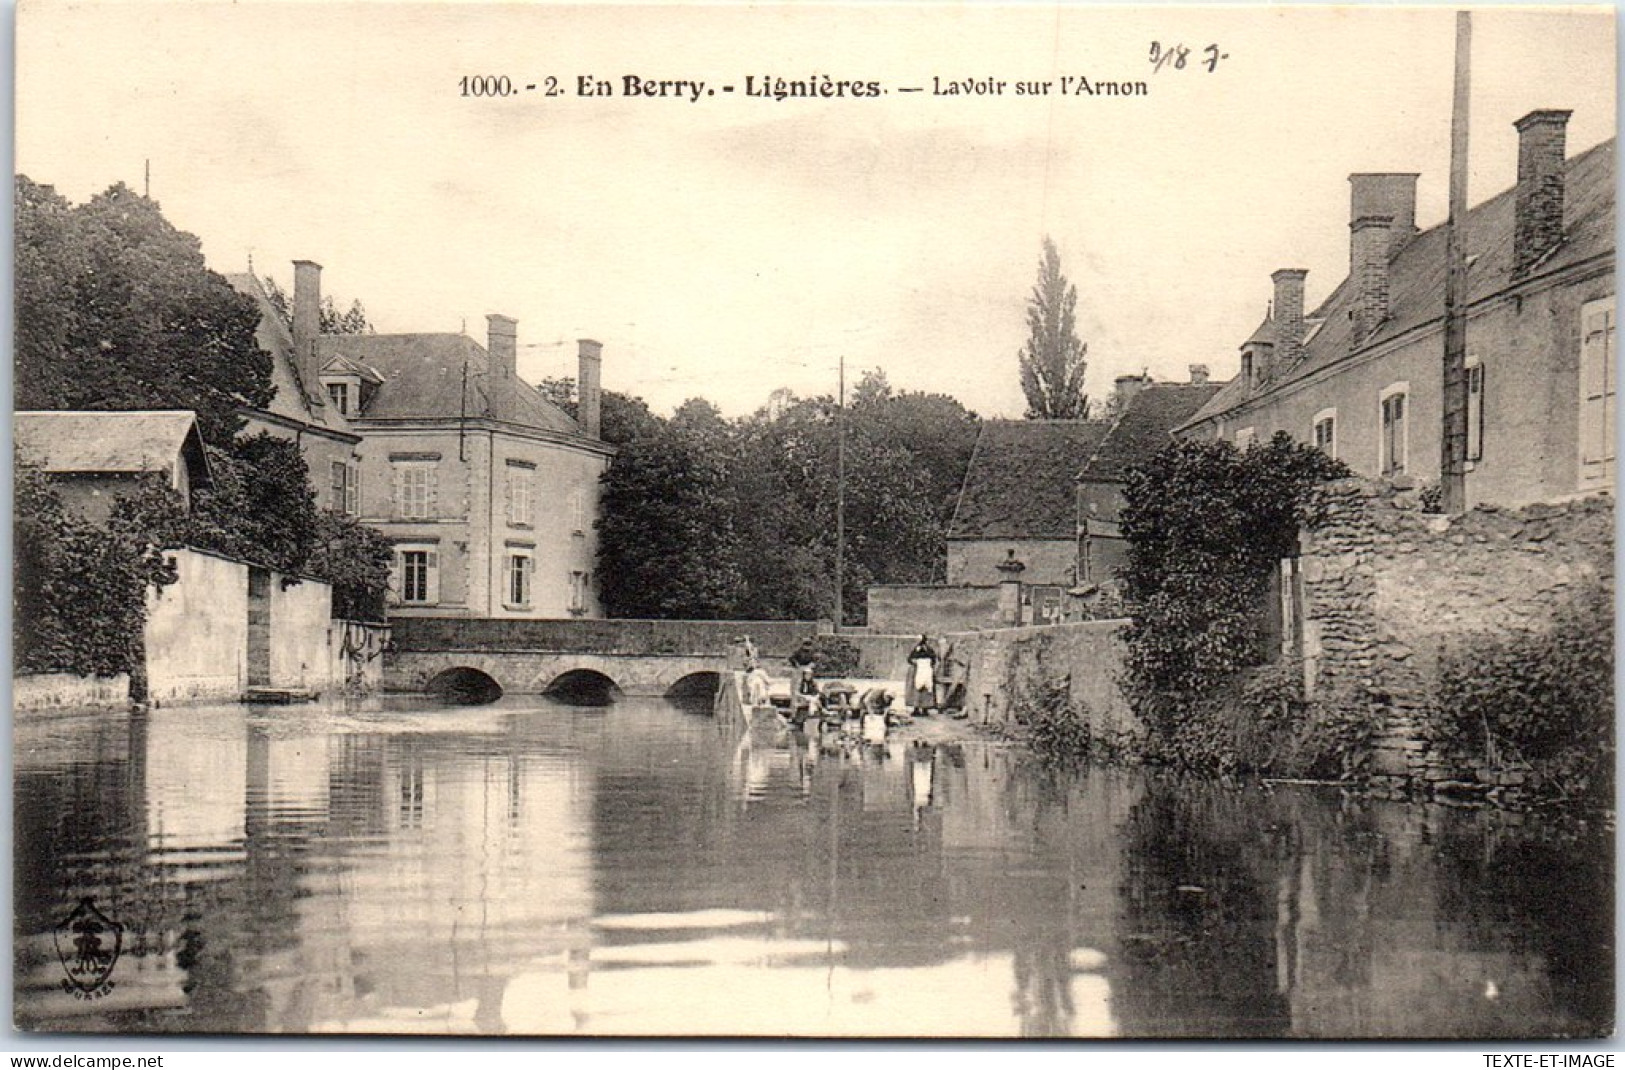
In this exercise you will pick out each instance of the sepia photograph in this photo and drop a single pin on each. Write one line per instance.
(862, 520)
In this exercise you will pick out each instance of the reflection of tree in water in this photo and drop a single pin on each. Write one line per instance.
(1041, 899)
(1551, 900)
(1196, 944)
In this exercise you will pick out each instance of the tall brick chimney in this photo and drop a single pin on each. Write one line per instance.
(1538, 203)
(307, 327)
(1288, 312)
(1368, 272)
(502, 347)
(1199, 374)
(589, 388)
(1392, 195)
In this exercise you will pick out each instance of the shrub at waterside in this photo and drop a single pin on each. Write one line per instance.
(78, 590)
(1544, 700)
(1206, 525)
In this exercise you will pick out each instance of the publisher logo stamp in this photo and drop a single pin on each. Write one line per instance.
(88, 942)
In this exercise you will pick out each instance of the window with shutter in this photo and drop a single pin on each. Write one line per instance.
(1325, 431)
(1597, 390)
(519, 580)
(1475, 411)
(352, 491)
(418, 572)
(415, 491)
(1393, 441)
(519, 496)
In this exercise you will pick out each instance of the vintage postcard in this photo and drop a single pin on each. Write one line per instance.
(820, 520)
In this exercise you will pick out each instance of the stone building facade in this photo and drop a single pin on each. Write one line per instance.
(1360, 375)
(488, 491)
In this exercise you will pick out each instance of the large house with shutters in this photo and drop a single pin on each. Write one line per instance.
(488, 491)
(1360, 376)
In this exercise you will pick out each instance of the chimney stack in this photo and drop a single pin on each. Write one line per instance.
(1368, 272)
(307, 327)
(1127, 386)
(502, 349)
(1198, 374)
(1392, 195)
(1288, 313)
(589, 389)
(1538, 207)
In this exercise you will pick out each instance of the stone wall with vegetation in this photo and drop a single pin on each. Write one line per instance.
(1478, 648)
(1059, 680)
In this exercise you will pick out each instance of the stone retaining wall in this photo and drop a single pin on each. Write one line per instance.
(1010, 664)
(61, 690)
(1388, 589)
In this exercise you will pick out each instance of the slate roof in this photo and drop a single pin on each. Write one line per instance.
(1019, 483)
(123, 443)
(1145, 426)
(275, 338)
(422, 378)
(1416, 274)
(1266, 334)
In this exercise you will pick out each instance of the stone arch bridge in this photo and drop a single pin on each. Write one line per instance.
(591, 657)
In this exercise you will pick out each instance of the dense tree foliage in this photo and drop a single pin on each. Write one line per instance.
(1054, 359)
(78, 589)
(713, 518)
(116, 309)
(621, 418)
(1206, 525)
(261, 509)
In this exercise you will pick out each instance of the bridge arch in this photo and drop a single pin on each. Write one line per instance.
(695, 687)
(464, 686)
(583, 687)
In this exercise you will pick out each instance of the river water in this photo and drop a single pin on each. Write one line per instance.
(536, 868)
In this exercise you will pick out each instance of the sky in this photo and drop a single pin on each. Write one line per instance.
(734, 245)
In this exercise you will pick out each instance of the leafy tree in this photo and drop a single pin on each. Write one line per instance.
(352, 320)
(355, 559)
(665, 537)
(1053, 360)
(116, 309)
(621, 417)
(78, 590)
(1206, 524)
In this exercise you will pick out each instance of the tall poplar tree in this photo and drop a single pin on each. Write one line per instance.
(1053, 360)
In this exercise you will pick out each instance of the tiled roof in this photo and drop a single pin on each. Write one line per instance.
(1146, 425)
(346, 366)
(1416, 274)
(109, 442)
(274, 337)
(423, 378)
(1019, 483)
(1266, 334)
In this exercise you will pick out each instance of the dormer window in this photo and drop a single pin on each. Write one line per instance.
(1247, 376)
(339, 395)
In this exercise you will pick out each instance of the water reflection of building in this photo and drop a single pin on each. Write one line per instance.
(895, 862)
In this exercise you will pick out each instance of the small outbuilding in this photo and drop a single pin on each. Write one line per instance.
(95, 458)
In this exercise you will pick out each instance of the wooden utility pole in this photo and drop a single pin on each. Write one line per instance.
(1453, 436)
(840, 498)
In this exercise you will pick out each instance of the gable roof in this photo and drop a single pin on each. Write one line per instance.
(422, 376)
(123, 443)
(290, 401)
(342, 365)
(1019, 483)
(1145, 426)
(1417, 271)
